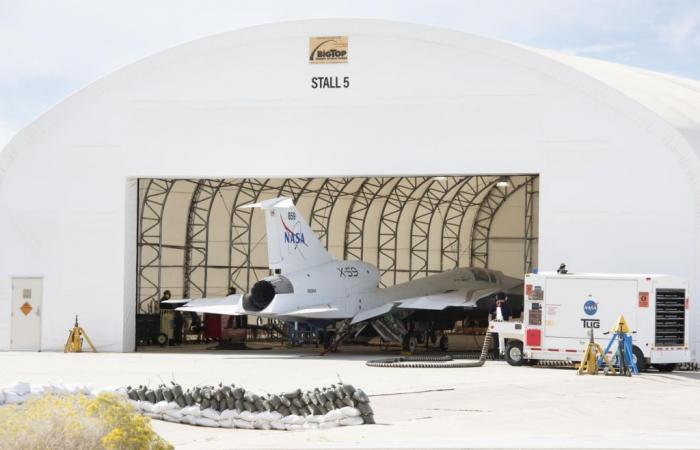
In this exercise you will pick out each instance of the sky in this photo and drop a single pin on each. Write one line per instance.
(50, 49)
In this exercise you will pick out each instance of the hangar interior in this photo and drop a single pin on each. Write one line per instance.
(195, 241)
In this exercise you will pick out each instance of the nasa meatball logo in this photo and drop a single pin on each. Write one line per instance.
(590, 307)
(328, 49)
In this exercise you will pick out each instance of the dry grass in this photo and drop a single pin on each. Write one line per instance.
(76, 422)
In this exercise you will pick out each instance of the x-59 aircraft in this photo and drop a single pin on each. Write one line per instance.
(309, 285)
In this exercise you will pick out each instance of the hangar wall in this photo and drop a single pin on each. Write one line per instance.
(618, 187)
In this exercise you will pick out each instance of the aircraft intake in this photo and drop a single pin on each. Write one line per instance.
(264, 291)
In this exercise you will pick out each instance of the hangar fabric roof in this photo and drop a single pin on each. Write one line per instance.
(674, 99)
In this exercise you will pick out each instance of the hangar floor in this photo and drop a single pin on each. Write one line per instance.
(495, 406)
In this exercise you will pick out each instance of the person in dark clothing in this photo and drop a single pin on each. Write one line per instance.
(177, 328)
(502, 302)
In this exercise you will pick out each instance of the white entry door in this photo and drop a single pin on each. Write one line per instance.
(26, 314)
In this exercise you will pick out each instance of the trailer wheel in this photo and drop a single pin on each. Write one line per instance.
(514, 353)
(162, 339)
(665, 367)
(639, 359)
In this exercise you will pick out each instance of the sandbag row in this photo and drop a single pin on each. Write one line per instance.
(233, 407)
(18, 392)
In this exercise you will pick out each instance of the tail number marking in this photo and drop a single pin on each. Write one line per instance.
(348, 272)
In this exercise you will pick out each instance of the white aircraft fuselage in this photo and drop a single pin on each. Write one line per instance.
(308, 284)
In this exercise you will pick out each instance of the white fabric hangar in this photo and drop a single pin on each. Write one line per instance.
(615, 148)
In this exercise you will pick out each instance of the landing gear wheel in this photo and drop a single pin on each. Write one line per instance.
(410, 342)
(162, 339)
(514, 353)
(665, 367)
(443, 343)
(639, 360)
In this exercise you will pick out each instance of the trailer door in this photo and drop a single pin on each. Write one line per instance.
(573, 305)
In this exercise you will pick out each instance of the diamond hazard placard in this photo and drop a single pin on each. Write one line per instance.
(26, 308)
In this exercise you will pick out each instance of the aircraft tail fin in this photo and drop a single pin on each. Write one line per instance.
(291, 245)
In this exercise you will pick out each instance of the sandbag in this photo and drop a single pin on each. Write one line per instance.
(160, 407)
(19, 388)
(350, 412)
(365, 408)
(277, 425)
(349, 421)
(229, 414)
(329, 424)
(192, 420)
(145, 406)
(262, 425)
(247, 416)
(226, 423)
(211, 414)
(193, 411)
(172, 419)
(205, 422)
(369, 419)
(238, 423)
(293, 427)
(174, 413)
(12, 397)
(360, 396)
(332, 416)
(311, 425)
(153, 415)
(314, 419)
(293, 420)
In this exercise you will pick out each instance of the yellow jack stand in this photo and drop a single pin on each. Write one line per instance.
(75, 339)
(589, 362)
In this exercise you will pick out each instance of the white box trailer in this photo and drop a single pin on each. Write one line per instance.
(560, 309)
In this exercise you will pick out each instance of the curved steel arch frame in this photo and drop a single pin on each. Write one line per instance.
(368, 191)
(323, 205)
(240, 246)
(423, 216)
(150, 244)
(197, 237)
(465, 198)
(483, 220)
(394, 206)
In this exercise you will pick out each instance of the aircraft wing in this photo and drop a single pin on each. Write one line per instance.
(230, 306)
(433, 302)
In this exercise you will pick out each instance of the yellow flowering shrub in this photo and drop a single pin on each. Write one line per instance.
(76, 422)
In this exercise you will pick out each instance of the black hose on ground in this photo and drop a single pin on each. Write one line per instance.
(435, 362)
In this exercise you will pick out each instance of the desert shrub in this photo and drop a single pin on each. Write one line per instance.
(76, 422)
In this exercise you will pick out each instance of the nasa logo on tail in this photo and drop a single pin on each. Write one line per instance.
(291, 236)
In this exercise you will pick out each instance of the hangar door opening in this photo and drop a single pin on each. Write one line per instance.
(194, 240)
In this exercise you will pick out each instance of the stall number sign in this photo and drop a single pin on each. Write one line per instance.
(643, 299)
(329, 50)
